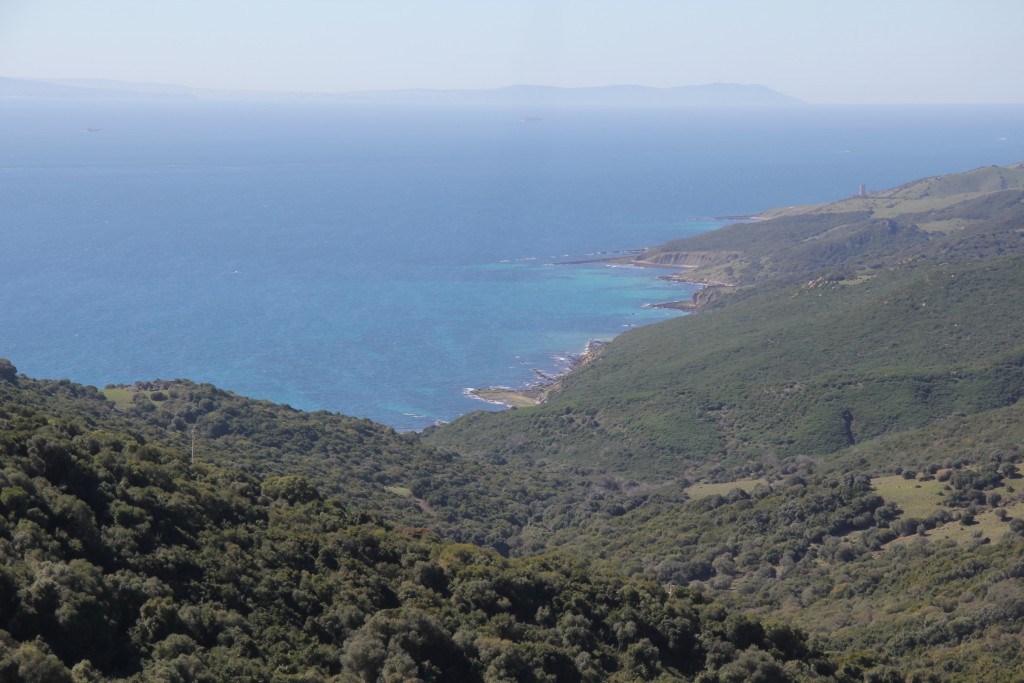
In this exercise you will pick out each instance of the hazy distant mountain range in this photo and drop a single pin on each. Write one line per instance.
(688, 95)
(714, 94)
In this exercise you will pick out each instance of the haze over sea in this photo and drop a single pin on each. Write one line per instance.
(378, 260)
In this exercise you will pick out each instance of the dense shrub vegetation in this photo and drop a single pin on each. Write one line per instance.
(124, 560)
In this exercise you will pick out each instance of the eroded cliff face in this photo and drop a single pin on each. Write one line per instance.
(705, 295)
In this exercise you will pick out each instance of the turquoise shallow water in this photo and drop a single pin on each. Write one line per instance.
(379, 261)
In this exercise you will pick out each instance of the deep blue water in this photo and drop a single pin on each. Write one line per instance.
(377, 261)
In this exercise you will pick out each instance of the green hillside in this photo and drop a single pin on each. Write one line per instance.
(796, 368)
(955, 216)
(909, 544)
(123, 560)
(375, 468)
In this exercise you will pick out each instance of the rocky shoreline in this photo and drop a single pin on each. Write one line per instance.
(537, 392)
(688, 305)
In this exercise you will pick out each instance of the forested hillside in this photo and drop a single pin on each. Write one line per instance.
(793, 368)
(482, 500)
(124, 560)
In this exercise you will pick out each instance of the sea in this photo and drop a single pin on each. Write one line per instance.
(379, 260)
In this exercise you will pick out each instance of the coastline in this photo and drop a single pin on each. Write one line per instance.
(687, 305)
(537, 392)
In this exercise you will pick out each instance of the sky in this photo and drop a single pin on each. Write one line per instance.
(820, 51)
